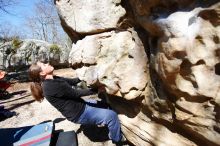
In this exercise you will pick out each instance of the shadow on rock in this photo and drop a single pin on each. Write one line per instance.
(130, 108)
(94, 133)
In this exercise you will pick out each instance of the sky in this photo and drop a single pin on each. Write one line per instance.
(18, 12)
(15, 22)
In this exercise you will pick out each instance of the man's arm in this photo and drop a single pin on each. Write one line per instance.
(70, 81)
(69, 92)
(77, 93)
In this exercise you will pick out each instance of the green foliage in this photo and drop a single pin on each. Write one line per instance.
(16, 43)
(55, 49)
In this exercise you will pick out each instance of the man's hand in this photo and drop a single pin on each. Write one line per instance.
(2, 74)
(101, 89)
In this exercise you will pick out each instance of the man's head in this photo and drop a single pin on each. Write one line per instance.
(46, 69)
(38, 72)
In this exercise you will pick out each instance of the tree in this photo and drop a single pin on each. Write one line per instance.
(5, 4)
(5, 30)
(45, 23)
(8, 32)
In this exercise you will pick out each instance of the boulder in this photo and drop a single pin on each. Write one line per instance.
(187, 61)
(86, 17)
(161, 71)
(116, 60)
(30, 50)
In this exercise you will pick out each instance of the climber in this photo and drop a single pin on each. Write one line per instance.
(59, 92)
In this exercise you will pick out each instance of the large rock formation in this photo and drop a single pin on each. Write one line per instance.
(113, 59)
(159, 63)
(187, 60)
(24, 52)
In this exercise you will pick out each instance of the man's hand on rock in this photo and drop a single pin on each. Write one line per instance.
(101, 89)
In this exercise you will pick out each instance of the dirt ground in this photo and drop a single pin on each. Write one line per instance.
(30, 112)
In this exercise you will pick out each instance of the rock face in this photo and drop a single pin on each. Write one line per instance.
(187, 60)
(159, 62)
(29, 50)
(122, 53)
(90, 16)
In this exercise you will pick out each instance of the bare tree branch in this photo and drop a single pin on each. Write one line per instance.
(5, 4)
(45, 23)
